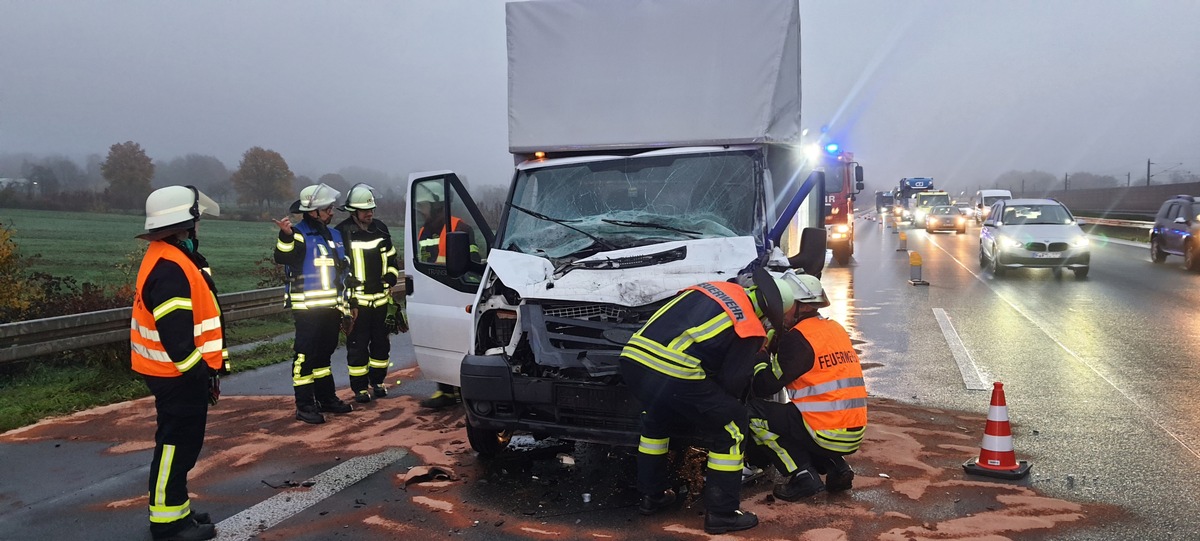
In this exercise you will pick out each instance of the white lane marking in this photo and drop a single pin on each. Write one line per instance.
(1045, 330)
(966, 366)
(250, 523)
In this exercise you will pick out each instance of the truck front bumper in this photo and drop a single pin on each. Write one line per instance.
(496, 399)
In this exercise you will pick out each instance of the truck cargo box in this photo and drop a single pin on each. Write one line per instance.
(682, 73)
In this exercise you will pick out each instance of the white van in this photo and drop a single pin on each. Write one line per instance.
(983, 200)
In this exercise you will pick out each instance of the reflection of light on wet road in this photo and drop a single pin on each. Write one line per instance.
(839, 287)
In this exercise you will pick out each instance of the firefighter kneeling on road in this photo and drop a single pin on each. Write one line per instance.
(826, 415)
(177, 339)
(690, 366)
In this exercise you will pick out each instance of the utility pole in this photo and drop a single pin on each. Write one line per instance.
(1066, 182)
(1127, 177)
(1022, 187)
(1147, 171)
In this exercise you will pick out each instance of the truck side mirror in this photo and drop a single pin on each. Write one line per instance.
(811, 258)
(458, 253)
(858, 178)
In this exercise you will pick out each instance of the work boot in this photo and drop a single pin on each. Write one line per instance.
(362, 397)
(802, 484)
(441, 399)
(191, 531)
(715, 523)
(839, 479)
(310, 414)
(653, 504)
(379, 390)
(202, 518)
(334, 405)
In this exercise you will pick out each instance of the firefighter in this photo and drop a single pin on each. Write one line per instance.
(690, 366)
(431, 248)
(826, 415)
(373, 264)
(177, 339)
(320, 301)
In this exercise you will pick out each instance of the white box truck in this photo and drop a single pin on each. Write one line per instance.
(656, 147)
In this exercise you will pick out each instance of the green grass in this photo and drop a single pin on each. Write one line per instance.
(92, 247)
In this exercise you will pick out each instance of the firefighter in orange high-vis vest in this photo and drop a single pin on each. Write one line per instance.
(431, 248)
(690, 366)
(825, 414)
(177, 338)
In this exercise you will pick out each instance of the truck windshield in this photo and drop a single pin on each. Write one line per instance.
(632, 201)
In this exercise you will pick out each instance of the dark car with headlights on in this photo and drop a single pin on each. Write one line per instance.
(1033, 233)
(945, 218)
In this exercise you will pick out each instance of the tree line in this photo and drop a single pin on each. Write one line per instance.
(262, 182)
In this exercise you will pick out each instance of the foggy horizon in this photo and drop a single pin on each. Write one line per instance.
(961, 92)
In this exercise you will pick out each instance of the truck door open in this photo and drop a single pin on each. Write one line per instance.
(441, 215)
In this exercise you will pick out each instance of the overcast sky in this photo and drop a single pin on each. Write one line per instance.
(958, 90)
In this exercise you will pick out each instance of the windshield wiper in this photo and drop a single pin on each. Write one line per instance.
(565, 223)
(631, 223)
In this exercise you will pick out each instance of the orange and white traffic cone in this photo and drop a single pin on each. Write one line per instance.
(996, 456)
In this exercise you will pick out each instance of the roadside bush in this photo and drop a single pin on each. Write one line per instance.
(15, 295)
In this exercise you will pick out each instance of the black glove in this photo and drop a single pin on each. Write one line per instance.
(214, 387)
(394, 321)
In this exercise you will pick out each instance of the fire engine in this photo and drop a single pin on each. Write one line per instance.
(843, 181)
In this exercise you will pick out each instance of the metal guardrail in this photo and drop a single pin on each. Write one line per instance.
(1132, 224)
(27, 339)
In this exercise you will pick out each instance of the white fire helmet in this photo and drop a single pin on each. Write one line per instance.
(177, 207)
(317, 196)
(360, 197)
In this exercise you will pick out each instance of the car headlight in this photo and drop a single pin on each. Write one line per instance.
(1080, 242)
(1009, 243)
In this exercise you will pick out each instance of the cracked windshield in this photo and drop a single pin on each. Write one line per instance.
(577, 210)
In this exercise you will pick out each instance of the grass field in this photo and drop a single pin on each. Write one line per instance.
(92, 247)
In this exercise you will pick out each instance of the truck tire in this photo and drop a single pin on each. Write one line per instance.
(841, 254)
(488, 443)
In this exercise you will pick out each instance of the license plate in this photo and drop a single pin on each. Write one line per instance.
(1046, 255)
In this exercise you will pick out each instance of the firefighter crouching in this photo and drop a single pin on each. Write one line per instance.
(177, 339)
(320, 301)
(373, 263)
(826, 413)
(690, 366)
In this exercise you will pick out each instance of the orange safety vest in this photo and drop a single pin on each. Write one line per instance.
(832, 395)
(441, 257)
(149, 356)
(737, 305)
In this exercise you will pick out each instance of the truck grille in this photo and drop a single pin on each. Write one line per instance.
(585, 311)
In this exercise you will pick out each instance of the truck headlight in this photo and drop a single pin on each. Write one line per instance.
(842, 228)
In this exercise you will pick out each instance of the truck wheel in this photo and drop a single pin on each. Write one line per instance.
(487, 443)
(841, 254)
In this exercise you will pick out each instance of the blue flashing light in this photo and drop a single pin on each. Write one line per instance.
(832, 148)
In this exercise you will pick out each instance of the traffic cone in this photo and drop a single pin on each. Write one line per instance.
(996, 456)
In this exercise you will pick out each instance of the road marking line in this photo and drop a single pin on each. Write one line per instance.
(250, 523)
(1045, 330)
(966, 365)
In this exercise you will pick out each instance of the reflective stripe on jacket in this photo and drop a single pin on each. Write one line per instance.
(425, 245)
(832, 395)
(321, 280)
(672, 357)
(148, 354)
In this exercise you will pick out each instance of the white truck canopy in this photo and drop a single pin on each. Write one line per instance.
(613, 74)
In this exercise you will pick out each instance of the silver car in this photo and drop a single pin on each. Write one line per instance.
(1033, 233)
